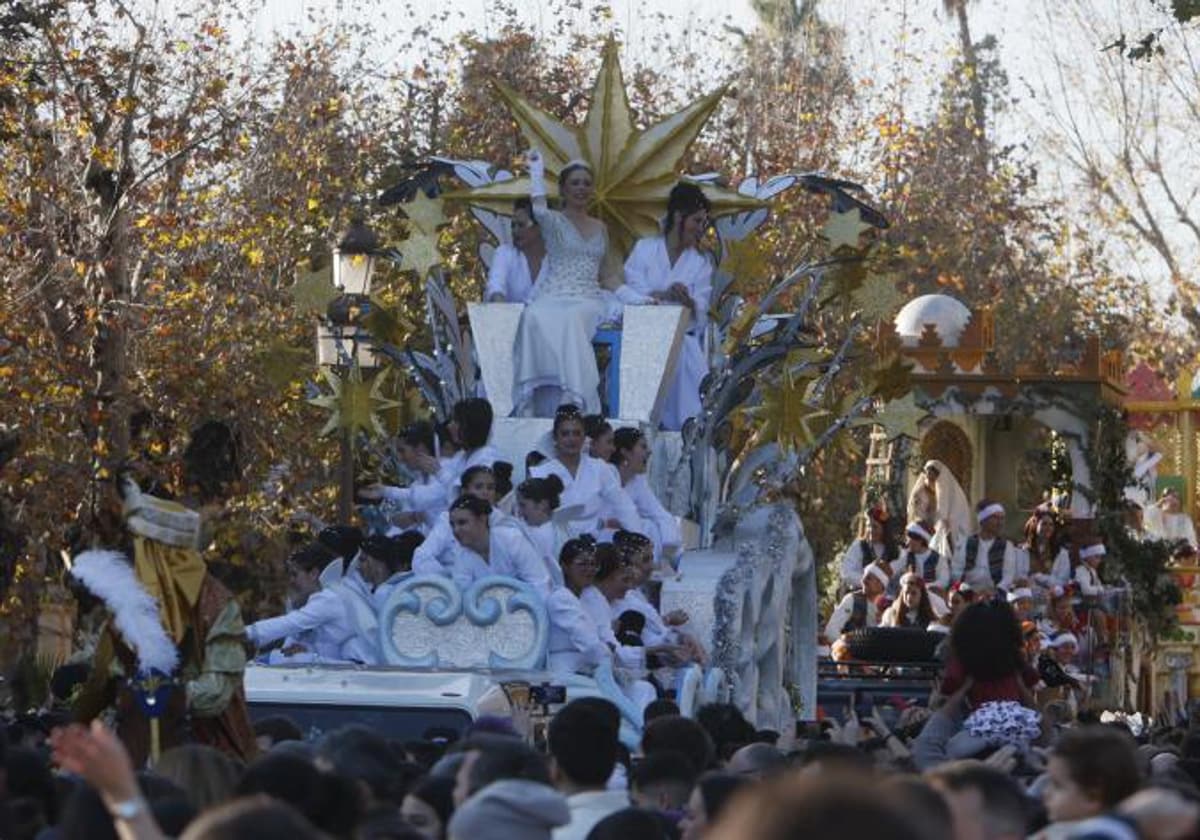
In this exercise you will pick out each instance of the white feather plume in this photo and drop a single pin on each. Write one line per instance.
(109, 576)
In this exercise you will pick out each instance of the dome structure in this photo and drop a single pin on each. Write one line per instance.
(948, 315)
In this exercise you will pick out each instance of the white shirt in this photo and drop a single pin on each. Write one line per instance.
(598, 607)
(941, 573)
(587, 809)
(509, 275)
(648, 269)
(450, 475)
(426, 496)
(547, 540)
(597, 488)
(322, 625)
(574, 643)
(509, 554)
(978, 575)
(660, 525)
(1088, 580)
(842, 613)
(434, 555)
(1060, 571)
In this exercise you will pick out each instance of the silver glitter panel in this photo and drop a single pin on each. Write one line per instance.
(493, 331)
(463, 644)
(650, 341)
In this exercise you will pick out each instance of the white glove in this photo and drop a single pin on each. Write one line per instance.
(537, 173)
(628, 295)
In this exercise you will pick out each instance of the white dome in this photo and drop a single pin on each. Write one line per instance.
(948, 315)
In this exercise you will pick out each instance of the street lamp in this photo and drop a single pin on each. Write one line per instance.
(341, 341)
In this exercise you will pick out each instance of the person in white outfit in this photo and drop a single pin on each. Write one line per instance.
(858, 609)
(1087, 573)
(927, 564)
(518, 267)
(319, 627)
(631, 457)
(986, 560)
(422, 501)
(575, 644)
(671, 270)
(436, 554)
(590, 483)
(537, 499)
(481, 550)
(874, 545)
(470, 428)
(637, 552)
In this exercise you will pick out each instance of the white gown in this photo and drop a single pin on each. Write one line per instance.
(597, 489)
(509, 275)
(661, 526)
(509, 554)
(553, 347)
(649, 269)
(574, 644)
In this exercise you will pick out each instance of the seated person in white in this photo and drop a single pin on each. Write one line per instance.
(1167, 521)
(537, 499)
(589, 482)
(575, 644)
(470, 428)
(386, 562)
(481, 550)
(857, 610)
(599, 436)
(631, 457)
(436, 554)
(669, 269)
(927, 564)
(518, 267)
(1087, 573)
(986, 560)
(319, 627)
(422, 501)
(638, 554)
(913, 608)
(874, 544)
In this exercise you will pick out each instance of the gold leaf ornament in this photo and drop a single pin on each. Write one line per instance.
(785, 417)
(877, 298)
(901, 417)
(313, 290)
(424, 213)
(353, 403)
(891, 379)
(420, 253)
(633, 169)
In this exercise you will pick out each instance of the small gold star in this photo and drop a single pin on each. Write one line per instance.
(901, 417)
(891, 379)
(877, 298)
(424, 213)
(844, 229)
(313, 290)
(420, 253)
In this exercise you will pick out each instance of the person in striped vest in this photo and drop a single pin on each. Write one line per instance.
(857, 610)
(987, 560)
(927, 564)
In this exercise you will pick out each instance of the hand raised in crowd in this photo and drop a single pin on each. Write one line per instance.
(1003, 759)
(675, 618)
(97, 755)
(848, 733)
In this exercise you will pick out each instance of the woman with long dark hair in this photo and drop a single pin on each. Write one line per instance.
(481, 550)
(631, 457)
(987, 647)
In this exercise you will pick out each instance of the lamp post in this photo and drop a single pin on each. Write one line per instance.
(341, 341)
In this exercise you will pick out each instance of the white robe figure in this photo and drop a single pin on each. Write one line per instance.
(547, 539)
(425, 496)
(950, 512)
(1172, 527)
(435, 555)
(451, 473)
(657, 631)
(979, 575)
(553, 347)
(597, 489)
(509, 554)
(509, 275)
(1060, 570)
(323, 626)
(648, 270)
(574, 644)
(659, 524)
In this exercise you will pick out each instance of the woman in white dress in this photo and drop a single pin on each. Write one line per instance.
(589, 482)
(669, 269)
(470, 427)
(436, 554)
(537, 499)
(631, 457)
(553, 359)
(481, 550)
(518, 267)
(937, 497)
(575, 645)
(424, 499)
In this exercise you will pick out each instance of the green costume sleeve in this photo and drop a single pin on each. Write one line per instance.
(224, 662)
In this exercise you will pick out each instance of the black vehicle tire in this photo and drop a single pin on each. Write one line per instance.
(892, 644)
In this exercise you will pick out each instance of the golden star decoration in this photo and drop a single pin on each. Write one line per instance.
(420, 253)
(785, 417)
(901, 417)
(354, 404)
(633, 169)
(877, 298)
(281, 363)
(424, 213)
(844, 229)
(891, 379)
(313, 290)
(846, 277)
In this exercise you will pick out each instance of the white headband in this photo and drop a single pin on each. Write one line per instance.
(879, 573)
(991, 510)
(916, 529)
(1096, 550)
(1018, 594)
(911, 576)
(1063, 638)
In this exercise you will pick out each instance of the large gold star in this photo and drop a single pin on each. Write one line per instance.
(634, 169)
(786, 418)
(877, 298)
(747, 261)
(313, 290)
(420, 253)
(892, 379)
(844, 229)
(354, 403)
(901, 417)
(424, 213)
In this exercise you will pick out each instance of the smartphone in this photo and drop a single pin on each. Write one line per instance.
(548, 695)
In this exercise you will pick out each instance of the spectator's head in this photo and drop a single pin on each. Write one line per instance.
(727, 727)
(255, 818)
(708, 802)
(985, 803)
(986, 638)
(633, 824)
(328, 801)
(508, 809)
(660, 708)
(583, 747)
(471, 423)
(366, 758)
(757, 760)
(663, 781)
(922, 803)
(1091, 769)
(807, 806)
(206, 775)
(681, 735)
(276, 729)
(428, 806)
(493, 758)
